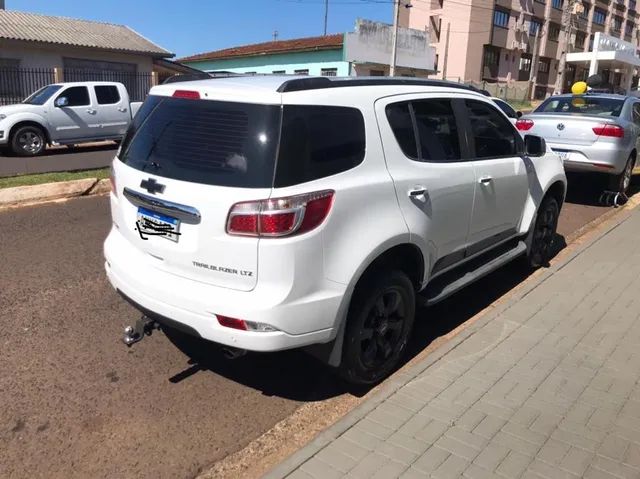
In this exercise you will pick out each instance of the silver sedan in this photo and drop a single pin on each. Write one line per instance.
(591, 133)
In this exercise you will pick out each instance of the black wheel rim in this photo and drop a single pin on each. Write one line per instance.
(544, 234)
(382, 331)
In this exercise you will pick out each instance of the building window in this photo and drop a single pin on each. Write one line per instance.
(525, 64)
(534, 27)
(617, 24)
(632, 4)
(591, 40)
(376, 73)
(279, 72)
(628, 28)
(329, 72)
(544, 2)
(301, 72)
(491, 57)
(557, 4)
(585, 11)
(554, 32)
(599, 16)
(580, 38)
(249, 73)
(500, 19)
(543, 66)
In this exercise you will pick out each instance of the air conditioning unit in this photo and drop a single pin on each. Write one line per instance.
(520, 46)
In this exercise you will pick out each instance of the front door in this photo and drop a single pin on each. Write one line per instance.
(77, 119)
(434, 186)
(502, 184)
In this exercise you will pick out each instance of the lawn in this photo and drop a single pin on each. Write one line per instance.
(39, 179)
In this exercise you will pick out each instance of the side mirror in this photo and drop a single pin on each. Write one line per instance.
(534, 146)
(518, 114)
(61, 101)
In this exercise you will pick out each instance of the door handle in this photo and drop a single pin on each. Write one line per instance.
(417, 191)
(91, 111)
(122, 109)
(485, 180)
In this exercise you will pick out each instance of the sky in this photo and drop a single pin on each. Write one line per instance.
(187, 27)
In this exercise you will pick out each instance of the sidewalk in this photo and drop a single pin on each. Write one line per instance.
(545, 386)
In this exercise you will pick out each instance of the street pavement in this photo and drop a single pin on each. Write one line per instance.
(82, 157)
(547, 385)
(77, 403)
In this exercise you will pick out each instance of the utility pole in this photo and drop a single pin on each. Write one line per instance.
(567, 14)
(275, 35)
(394, 39)
(326, 15)
(446, 53)
(533, 73)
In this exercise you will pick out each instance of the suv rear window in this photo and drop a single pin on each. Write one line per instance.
(235, 144)
(203, 141)
(582, 105)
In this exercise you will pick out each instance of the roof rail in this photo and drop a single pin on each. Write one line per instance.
(317, 83)
(187, 77)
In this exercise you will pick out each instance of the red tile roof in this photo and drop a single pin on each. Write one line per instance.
(328, 42)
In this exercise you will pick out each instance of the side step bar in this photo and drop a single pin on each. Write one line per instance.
(446, 285)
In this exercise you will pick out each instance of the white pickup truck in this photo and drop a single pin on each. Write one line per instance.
(66, 114)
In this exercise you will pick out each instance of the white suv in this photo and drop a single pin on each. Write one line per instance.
(267, 213)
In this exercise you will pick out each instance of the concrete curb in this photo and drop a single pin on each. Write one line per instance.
(402, 378)
(28, 195)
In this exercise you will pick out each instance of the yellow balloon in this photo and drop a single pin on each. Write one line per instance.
(579, 88)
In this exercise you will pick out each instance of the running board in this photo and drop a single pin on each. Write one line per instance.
(451, 282)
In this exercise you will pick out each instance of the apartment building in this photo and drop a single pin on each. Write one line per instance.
(499, 40)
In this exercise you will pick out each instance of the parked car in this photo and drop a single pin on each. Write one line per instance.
(66, 114)
(268, 213)
(594, 133)
(507, 109)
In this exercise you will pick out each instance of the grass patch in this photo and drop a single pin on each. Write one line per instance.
(42, 178)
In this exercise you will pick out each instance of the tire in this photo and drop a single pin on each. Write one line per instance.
(28, 141)
(543, 237)
(379, 323)
(621, 183)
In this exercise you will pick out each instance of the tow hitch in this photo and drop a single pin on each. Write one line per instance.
(613, 198)
(143, 327)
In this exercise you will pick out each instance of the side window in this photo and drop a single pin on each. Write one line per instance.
(506, 108)
(636, 113)
(437, 130)
(107, 94)
(399, 117)
(493, 135)
(318, 141)
(77, 96)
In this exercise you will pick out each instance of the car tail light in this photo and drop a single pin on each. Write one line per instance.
(188, 94)
(607, 129)
(243, 325)
(524, 124)
(112, 181)
(278, 217)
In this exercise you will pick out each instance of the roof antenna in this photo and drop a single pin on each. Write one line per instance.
(275, 35)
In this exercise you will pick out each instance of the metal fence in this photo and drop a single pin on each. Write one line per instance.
(18, 83)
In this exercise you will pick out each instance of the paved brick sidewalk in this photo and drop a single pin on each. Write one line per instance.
(548, 387)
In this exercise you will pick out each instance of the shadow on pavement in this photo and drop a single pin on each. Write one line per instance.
(585, 189)
(297, 376)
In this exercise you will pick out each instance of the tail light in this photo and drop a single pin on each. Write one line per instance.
(610, 130)
(188, 94)
(278, 217)
(524, 124)
(112, 181)
(243, 325)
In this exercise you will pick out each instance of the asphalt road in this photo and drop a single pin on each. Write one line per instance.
(82, 157)
(75, 402)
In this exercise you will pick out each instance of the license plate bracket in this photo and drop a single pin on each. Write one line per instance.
(151, 223)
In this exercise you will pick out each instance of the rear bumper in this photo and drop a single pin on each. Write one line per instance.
(601, 157)
(193, 304)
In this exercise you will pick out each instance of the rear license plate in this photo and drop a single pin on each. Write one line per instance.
(562, 154)
(151, 223)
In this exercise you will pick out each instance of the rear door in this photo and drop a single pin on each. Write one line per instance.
(187, 162)
(502, 184)
(112, 111)
(434, 185)
(76, 120)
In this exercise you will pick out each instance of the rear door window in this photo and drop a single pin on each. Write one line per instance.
(492, 135)
(318, 141)
(399, 116)
(204, 141)
(107, 94)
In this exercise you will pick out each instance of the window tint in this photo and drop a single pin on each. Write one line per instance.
(506, 108)
(77, 95)
(492, 134)
(582, 105)
(437, 130)
(318, 141)
(399, 118)
(107, 94)
(204, 141)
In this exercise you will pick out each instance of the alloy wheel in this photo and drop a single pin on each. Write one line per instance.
(544, 233)
(30, 142)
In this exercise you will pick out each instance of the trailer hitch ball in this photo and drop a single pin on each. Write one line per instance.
(143, 327)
